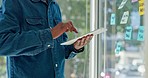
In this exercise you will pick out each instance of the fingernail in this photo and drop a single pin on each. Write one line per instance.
(78, 41)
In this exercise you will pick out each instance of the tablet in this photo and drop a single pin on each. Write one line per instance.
(95, 32)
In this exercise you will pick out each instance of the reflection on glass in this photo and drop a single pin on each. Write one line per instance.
(78, 12)
(124, 41)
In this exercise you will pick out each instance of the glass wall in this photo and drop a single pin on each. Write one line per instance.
(78, 12)
(120, 50)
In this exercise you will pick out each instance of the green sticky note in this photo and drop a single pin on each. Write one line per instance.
(141, 33)
(113, 19)
(128, 33)
(118, 47)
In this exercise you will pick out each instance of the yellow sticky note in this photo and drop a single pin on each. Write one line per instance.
(141, 10)
(141, 1)
(141, 4)
(141, 7)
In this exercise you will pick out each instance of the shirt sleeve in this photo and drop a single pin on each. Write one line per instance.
(70, 51)
(14, 41)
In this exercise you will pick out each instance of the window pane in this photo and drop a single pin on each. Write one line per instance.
(122, 47)
(77, 11)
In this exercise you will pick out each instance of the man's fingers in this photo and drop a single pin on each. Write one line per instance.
(71, 27)
(83, 41)
(91, 36)
(88, 38)
(78, 42)
(74, 29)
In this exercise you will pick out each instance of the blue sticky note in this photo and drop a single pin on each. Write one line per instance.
(128, 33)
(113, 19)
(141, 33)
(118, 47)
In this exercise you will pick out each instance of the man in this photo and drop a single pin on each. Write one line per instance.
(30, 35)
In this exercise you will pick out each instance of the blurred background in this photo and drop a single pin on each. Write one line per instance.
(118, 52)
(78, 11)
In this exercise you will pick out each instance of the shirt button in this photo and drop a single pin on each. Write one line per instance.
(48, 45)
(56, 65)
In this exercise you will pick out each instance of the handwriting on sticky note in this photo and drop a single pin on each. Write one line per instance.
(118, 47)
(124, 17)
(134, 0)
(141, 10)
(141, 33)
(128, 33)
(113, 19)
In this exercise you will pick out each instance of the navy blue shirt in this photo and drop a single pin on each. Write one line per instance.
(26, 40)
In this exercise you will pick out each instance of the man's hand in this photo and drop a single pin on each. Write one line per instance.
(60, 28)
(82, 42)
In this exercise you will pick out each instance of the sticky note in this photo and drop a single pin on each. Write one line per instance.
(118, 47)
(134, 0)
(141, 1)
(141, 10)
(122, 4)
(128, 33)
(124, 17)
(141, 7)
(113, 19)
(141, 33)
(141, 4)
